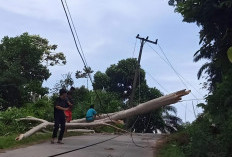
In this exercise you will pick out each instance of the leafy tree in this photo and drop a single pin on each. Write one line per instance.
(80, 74)
(65, 83)
(83, 98)
(118, 80)
(24, 61)
(85, 74)
(214, 18)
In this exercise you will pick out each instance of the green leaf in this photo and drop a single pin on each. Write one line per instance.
(229, 54)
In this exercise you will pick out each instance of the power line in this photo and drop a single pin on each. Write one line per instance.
(73, 33)
(133, 53)
(157, 53)
(157, 82)
(177, 72)
(76, 33)
(84, 147)
(185, 112)
(194, 110)
(84, 61)
(178, 75)
(191, 100)
(167, 61)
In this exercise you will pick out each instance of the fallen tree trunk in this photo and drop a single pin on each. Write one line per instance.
(46, 124)
(148, 106)
(103, 120)
(97, 118)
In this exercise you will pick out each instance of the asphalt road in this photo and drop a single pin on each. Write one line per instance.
(121, 146)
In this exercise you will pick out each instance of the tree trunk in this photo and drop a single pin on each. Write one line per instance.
(111, 117)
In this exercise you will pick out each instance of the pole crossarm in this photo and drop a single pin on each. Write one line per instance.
(146, 39)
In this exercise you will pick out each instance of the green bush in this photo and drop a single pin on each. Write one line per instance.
(41, 109)
(201, 139)
(171, 150)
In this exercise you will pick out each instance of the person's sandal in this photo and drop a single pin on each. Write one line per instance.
(59, 142)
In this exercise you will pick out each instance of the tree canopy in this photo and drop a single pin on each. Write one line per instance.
(24, 66)
(119, 78)
(214, 125)
(214, 18)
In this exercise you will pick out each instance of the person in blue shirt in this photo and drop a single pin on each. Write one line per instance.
(91, 114)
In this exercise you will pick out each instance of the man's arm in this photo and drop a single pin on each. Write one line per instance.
(95, 113)
(61, 108)
(69, 103)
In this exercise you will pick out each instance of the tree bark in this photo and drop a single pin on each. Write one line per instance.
(104, 119)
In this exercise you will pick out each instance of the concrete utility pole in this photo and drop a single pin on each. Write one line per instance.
(143, 40)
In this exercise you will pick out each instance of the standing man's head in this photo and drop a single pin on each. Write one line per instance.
(63, 93)
(72, 89)
(91, 106)
(69, 94)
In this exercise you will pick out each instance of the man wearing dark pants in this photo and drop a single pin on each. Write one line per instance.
(60, 106)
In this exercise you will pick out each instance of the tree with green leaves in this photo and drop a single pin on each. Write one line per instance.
(24, 66)
(87, 71)
(66, 83)
(118, 79)
(214, 19)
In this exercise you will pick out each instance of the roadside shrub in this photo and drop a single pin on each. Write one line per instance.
(41, 109)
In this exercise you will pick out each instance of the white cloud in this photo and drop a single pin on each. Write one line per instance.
(46, 9)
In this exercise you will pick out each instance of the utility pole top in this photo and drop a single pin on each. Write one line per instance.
(146, 39)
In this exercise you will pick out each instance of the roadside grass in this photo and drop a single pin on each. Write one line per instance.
(8, 142)
(171, 150)
(172, 145)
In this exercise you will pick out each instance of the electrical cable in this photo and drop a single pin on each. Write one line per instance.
(66, 152)
(182, 79)
(178, 75)
(72, 33)
(191, 100)
(75, 32)
(134, 48)
(83, 60)
(157, 82)
(176, 71)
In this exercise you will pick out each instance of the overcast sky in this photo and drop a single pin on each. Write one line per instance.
(107, 31)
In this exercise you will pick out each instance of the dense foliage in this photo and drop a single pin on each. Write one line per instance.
(24, 66)
(210, 135)
(41, 109)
